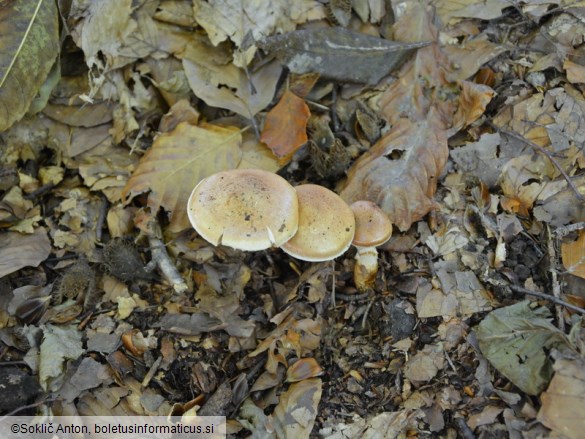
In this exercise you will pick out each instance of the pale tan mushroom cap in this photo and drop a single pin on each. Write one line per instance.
(372, 225)
(246, 209)
(326, 225)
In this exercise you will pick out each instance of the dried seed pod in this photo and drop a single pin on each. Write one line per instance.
(19, 339)
(31, 310)
(367, 126)
(332, 163)
(122, 260)
(339, 12)
(63, 313)
(77, 283)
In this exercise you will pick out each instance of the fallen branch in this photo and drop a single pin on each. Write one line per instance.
(548, 297)
(163, 261)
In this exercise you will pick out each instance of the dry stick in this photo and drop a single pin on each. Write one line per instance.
(24, 407)
(164, 263)
(546, 297)
(540, 149)
(555, 285)
(563, 231)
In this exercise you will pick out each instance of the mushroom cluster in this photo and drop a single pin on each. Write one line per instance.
(252, 209)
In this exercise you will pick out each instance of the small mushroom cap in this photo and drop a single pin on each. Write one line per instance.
(246, 209)
(372, 225)
(326, 225)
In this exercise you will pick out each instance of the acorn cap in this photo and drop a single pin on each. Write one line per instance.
(246, 209)
(326, 225)
(372, 225)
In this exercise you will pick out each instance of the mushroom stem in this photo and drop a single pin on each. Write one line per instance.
(366, 267)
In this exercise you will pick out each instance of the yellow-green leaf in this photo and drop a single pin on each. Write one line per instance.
(177, 161)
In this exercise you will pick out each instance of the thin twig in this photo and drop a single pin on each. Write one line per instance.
(164, 263)
(24, 407)
(366, 313)
(540, 149)
(563, 231)
(548, 297)
(333, 285)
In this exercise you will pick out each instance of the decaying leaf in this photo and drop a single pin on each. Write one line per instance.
(514, 340)
(460, 294)
(425, 364)
(452, 12)
(563, 401)
(18, 250)
(400, 171)
(227, 86)
(112, 33)
(177, 161)
(295, 414)
(29, 43)
(303, 369)
(573, 254)
(256, 155)
(386, 425)
(425, 105)
(339, 53)
(285, 129)
(291, 334)
(60, 343)
(260, 17)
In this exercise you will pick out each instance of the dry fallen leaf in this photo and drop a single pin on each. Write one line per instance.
(563, 401)
(29, 43)
(60, 343)
(573, 254)
(224, 85)
(112, 33)
(303, 369)
(285, 129)
(425, 364)
(339, 53)
(177, 161)
(425, 105)
(260, 17)
(18, 250)
(403, 186)
(452, 12)
(295, 414)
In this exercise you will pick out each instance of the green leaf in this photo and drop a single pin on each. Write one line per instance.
(514, 339)
(29, 44)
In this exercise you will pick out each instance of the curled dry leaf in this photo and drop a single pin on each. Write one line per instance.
(296, 412)
(303, 369)
(227, 86)
(426, 105)
(29, 43)
(285, 129)
(400, 172)
(18, 250)
(177, 161)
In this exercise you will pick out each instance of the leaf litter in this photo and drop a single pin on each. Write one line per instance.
(464, 123)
